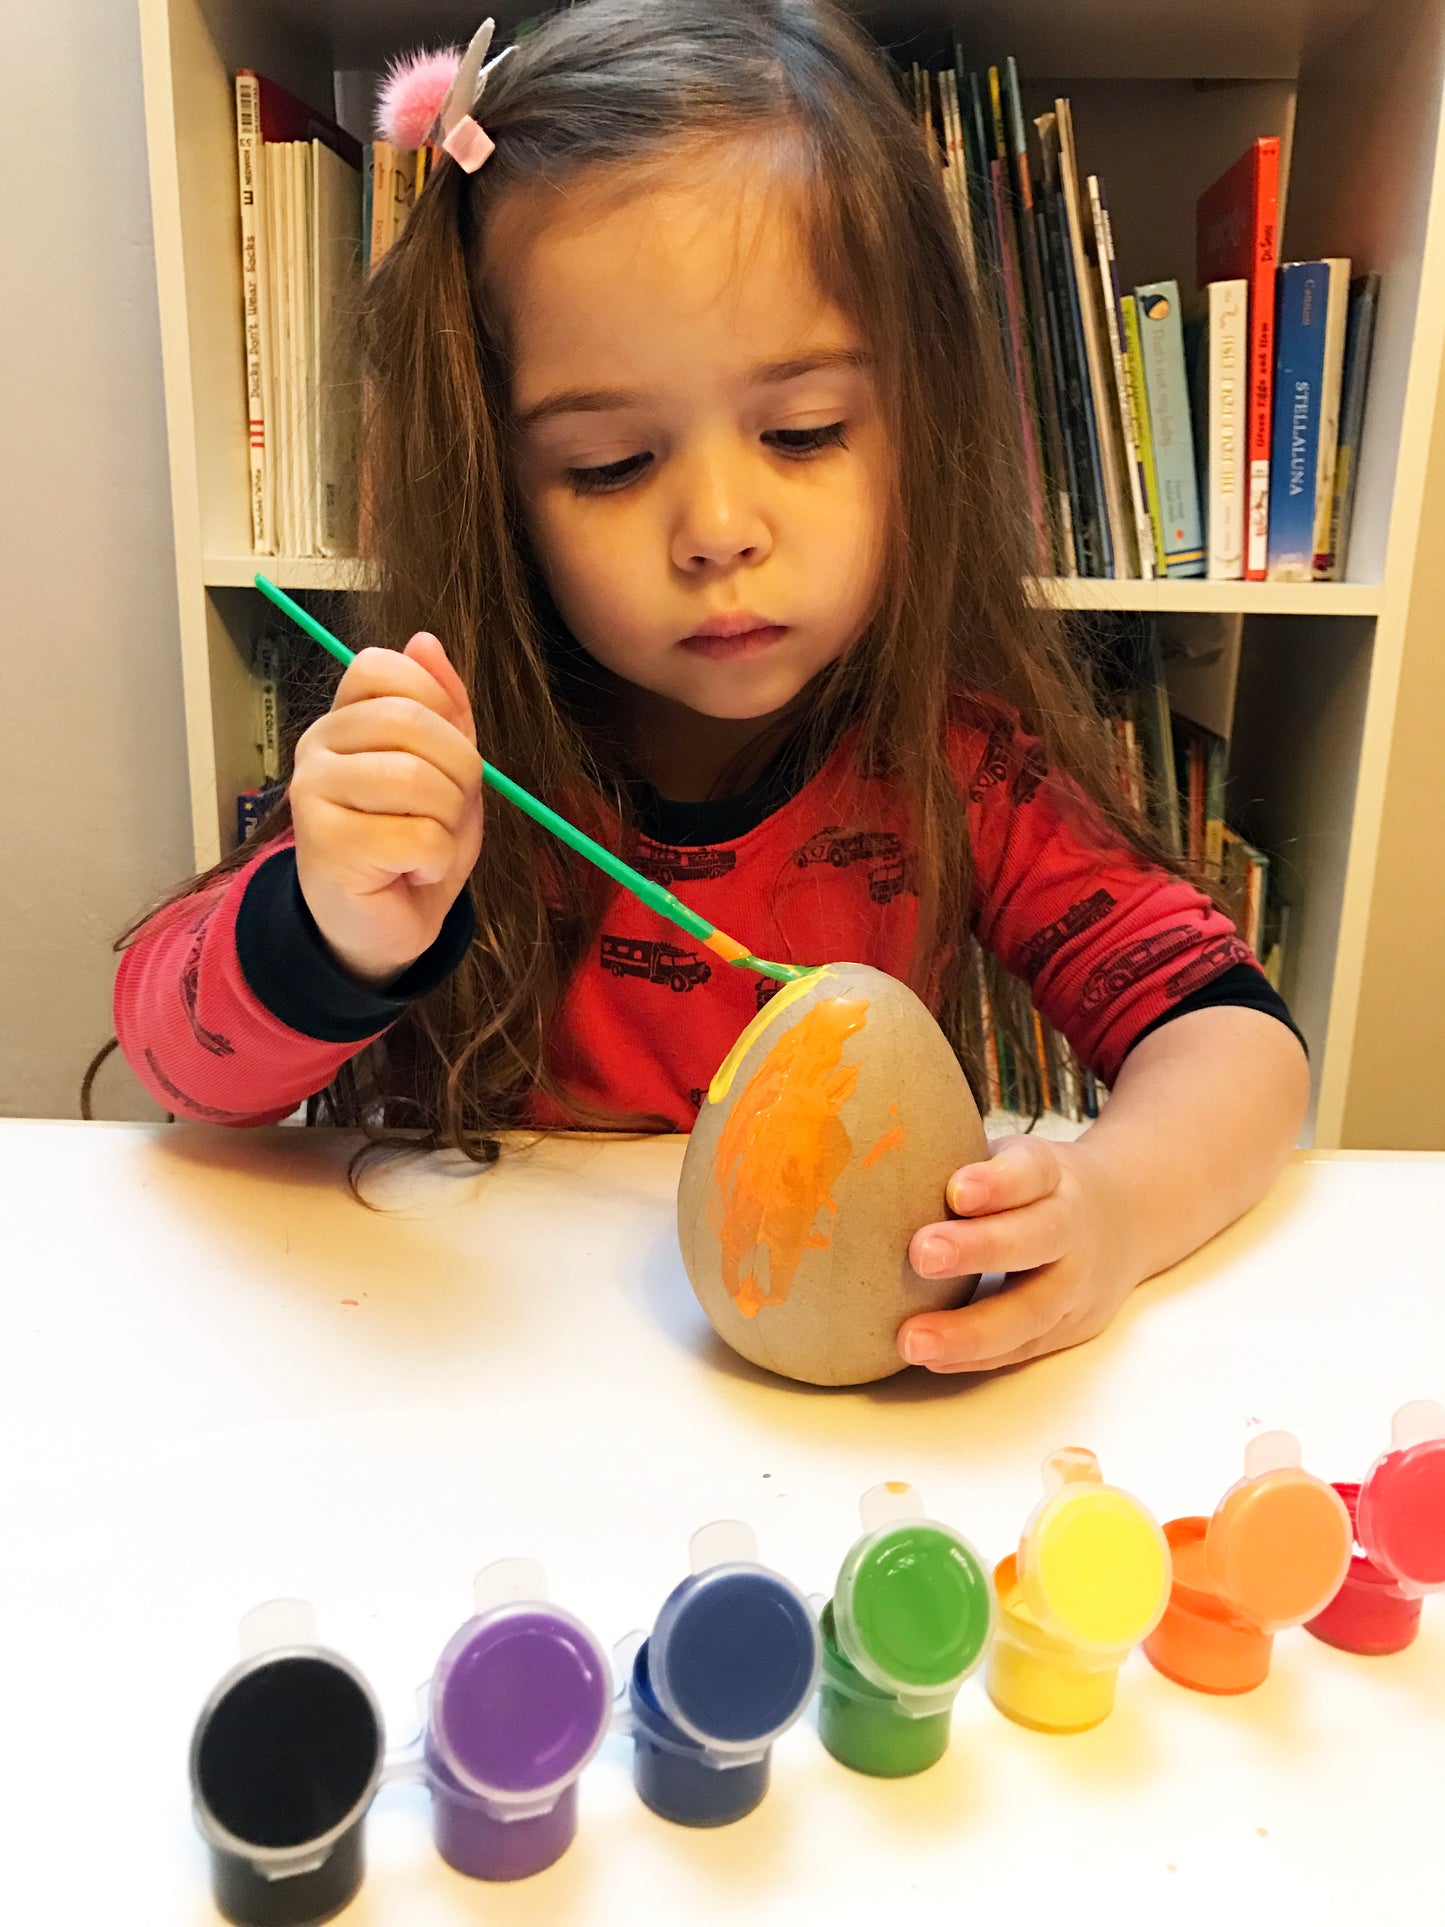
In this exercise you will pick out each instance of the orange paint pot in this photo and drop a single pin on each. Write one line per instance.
(1275, 1551)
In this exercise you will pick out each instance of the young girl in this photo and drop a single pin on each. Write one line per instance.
(689, 444)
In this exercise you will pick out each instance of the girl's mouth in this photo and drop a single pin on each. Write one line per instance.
(751, 642)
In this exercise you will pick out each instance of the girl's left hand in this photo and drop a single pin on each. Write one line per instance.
(1041, 1212)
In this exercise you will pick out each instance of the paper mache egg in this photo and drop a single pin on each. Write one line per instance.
(825, 1142)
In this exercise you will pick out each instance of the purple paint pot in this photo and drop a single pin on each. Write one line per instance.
(285, 1759)
(519, 1703)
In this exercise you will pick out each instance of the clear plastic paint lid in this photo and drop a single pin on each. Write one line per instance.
(1400, 1518)
(521, 1697)
(735, 1654)
(1093, 1563)
(287, 1752)
(1278, 1546)
(914, 1604)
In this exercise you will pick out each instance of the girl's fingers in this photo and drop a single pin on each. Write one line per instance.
(1018, 1322)
(1035, 1234)
(416, 847)
(1017, 1170)
(429, 654)
(396, 672)
(401, 723)
(393, 783)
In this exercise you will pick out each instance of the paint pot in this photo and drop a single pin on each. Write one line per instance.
(1273, 1554)
(1089, 1581)
(731, 1664)
(518, 1704)
(285, 1759)
(1398, 1519)
(910, 1620)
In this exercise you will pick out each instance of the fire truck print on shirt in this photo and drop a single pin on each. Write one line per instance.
(662, 863)
(654, 962)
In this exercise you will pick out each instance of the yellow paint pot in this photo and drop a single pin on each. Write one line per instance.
(1274, 1554)
(1090, 1579)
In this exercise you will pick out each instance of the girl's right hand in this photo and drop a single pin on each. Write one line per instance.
(386, 800)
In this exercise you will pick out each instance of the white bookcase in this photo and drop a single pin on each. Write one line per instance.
(1334, 769)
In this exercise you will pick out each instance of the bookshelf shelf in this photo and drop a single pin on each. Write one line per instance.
(1188, 597)
(286, 571)
(1333, 724)
(1152, 598)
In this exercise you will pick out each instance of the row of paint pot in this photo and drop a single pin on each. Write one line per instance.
(288, 1752)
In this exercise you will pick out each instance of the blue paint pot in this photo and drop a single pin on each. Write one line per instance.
(732, 1663)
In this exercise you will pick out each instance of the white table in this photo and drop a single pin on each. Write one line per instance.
(224, 1381)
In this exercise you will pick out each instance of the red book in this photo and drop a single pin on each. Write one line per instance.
(1237, 239)
(285, 118)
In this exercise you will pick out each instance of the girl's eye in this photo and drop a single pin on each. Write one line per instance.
(611, 476)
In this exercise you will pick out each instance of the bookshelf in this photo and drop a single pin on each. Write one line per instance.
(1328, 692)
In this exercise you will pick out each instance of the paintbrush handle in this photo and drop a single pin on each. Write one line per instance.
(652, 894)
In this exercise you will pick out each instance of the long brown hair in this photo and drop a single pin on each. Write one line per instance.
(616, 84)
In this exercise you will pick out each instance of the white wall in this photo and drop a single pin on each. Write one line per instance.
(93, 819)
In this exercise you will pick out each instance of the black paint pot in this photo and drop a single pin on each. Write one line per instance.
(285, 1761)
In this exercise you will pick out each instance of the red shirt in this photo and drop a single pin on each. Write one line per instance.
(1106, 944)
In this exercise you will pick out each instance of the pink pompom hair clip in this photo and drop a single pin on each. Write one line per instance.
(430, 97)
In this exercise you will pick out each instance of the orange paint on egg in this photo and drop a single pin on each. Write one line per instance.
(891, 1140)
(780, 1153)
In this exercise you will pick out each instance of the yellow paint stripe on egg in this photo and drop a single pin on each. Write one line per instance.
(789, 994)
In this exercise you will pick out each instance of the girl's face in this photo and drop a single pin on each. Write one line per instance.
(699, 447)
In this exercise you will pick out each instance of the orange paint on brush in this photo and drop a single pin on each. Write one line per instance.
(725, 946)
(780, 1153)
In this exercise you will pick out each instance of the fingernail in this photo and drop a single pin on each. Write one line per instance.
(933, 1257)
(965, 1195)
(922, 1348)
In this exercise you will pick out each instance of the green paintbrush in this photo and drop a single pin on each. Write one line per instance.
(643, 888)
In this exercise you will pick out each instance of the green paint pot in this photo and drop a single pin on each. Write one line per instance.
(910, 1620)
(868, 1730)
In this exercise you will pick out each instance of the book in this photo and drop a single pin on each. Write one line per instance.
(1139, 541)
(1359, 346)
(1019, 344)
(1167, 385)
(1228, 426)
(335, 374)
(1055, 473)
(255, 287)
(1236, 232)
(1093, 539)
(1139, 394)
(269, 120)
(1310, 339)
(1100, 368)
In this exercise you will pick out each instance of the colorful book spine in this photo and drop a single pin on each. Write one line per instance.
(1336, 327)
(1301, 380)
(1238, 238)
(1359, 347)
(1018, 361)
(1228, 350)
(1162, 338)
(1138, 391)
(1142, 536)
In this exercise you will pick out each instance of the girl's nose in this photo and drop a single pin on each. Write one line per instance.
(720, 519)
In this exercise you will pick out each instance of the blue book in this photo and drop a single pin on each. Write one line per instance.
(1309, 353)
(1161, 340)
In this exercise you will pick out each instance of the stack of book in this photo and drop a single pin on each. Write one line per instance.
(1136, 465)
(300, 198)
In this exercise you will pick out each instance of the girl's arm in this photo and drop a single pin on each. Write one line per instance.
(230, 1008)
